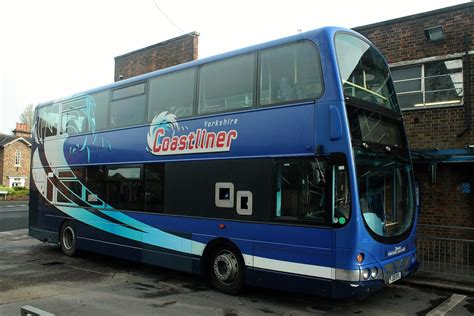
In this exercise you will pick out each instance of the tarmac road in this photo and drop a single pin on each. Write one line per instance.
(13, 215)
(38, 274)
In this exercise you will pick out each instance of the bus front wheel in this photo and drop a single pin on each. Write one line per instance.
(67, 239)
(226, 270)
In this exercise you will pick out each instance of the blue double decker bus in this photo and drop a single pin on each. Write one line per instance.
(282, 165)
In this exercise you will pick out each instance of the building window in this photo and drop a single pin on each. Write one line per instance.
(438, 83)
(16, 181)
(17, 158)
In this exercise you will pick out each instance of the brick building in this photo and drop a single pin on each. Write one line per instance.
(172, 52)
(15, 155)
(431, 58)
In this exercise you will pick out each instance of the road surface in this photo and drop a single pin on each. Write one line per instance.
(13, 215)
(38, 274)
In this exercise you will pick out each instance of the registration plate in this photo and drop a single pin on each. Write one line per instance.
(395, 277)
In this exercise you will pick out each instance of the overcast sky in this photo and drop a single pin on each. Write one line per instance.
(54, 48)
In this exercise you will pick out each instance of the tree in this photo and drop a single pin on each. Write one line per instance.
(27, 115)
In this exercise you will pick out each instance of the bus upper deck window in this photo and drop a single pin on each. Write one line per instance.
(289, 73)
(128, 106)
(172, 92)
(220, 92)
(48, 121)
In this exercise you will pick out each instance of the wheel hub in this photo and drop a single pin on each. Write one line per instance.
(68, 238)
(226, 267)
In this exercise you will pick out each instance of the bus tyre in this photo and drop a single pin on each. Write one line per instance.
(68, 239)
(226, 269)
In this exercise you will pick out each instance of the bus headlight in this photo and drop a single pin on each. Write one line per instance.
(373, 272)
(366, 273)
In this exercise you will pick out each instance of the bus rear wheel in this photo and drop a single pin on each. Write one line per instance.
(226, 270)
(68, 239)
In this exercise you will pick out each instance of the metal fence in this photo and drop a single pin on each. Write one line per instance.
(446, 250)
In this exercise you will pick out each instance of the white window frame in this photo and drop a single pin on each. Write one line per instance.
(422, 78)
(240, 209)
(17, 158)
(226, 203)
(16, 181)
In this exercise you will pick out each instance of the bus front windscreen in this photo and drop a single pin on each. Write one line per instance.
(385, 193)
(364, 73)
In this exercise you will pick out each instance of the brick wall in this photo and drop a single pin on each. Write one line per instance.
(437, 128)
(162, 55)
(402, 40)
(9, 168)
(444, 201)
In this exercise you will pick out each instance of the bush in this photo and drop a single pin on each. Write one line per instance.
(9, 190)
(20, 192)
(16, 193)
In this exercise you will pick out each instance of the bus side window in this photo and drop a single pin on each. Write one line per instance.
(74, 117)
(219, 91)
(74, 122)
(341, 206)
(288, 190)
(313, 206)
(125, 187)
(173, 93)
(154, 185)
(289, 73)
(301, 191)
(128, 106)
(101, 110)
(47, 121)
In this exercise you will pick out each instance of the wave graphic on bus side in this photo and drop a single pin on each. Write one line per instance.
(136, 230)
(75, 120)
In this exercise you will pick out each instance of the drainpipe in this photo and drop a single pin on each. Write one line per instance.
(467, 90)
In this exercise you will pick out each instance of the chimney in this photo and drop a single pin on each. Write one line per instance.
(22, 130)
(172, 52)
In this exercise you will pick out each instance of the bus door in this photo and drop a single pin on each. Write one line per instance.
(301, 243)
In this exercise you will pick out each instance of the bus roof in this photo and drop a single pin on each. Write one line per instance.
(316, 35)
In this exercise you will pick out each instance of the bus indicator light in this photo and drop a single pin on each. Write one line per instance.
(221, 226)
(360, 257)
